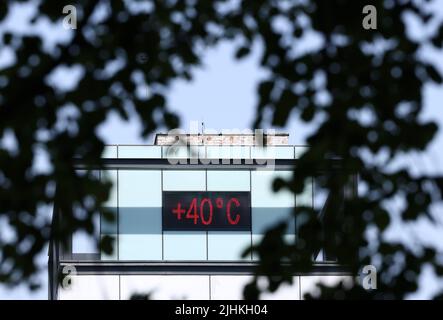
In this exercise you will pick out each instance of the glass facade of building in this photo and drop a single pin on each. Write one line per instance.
(136, 199)
(141, 243)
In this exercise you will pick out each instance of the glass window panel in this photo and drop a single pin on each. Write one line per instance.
(264, 218)
(228, 180)
(272, 152)
(228, 287)
(228, 152)
(231, 288)
(270, 208)
(166, 287)
(184, 245)
(140, 235)
(140, 188)
(299, 150)
(308, 284)
(146, 152)
(286, 291)
(223, 245)
(184, 180)
(83, 242)
(91, 287)
(109, 152)
(140, 201)
(262, 194)
(140, 247)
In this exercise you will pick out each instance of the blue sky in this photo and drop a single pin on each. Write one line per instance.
(222, 95)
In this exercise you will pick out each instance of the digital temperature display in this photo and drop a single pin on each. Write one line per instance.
(206, 211)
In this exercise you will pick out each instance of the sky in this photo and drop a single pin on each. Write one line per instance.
(222, 95)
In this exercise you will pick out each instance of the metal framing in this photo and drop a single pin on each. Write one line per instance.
(187, 268)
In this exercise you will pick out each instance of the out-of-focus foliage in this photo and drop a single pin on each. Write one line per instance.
(365, 89)
(345, 73)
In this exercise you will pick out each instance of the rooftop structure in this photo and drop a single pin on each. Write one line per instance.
(222, 139)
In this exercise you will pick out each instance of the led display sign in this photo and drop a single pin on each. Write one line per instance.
(206, 211)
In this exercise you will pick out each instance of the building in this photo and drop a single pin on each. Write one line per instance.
(187, 207)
